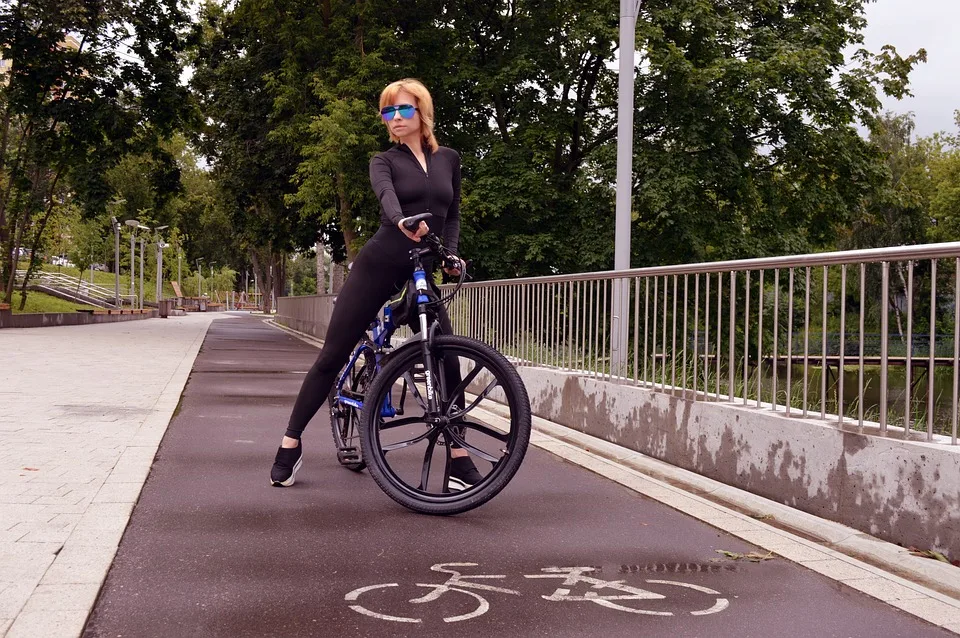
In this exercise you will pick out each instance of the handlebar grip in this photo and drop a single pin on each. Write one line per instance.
(411, 223)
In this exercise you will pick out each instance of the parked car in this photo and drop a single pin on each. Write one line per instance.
(56, 260)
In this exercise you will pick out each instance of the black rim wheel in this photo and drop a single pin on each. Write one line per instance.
(410, 455)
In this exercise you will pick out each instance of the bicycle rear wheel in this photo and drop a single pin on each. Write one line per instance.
(345, 419)
(409, 455)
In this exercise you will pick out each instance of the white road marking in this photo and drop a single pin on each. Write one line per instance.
(720, 605)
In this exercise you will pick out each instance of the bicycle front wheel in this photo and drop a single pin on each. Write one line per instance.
(487, 414)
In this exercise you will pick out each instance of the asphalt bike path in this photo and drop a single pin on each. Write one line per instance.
(213, 550)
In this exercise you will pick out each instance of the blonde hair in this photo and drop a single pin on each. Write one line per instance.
(424, 107)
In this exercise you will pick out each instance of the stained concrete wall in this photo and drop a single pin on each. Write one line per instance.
(47, 319)
(906, 492)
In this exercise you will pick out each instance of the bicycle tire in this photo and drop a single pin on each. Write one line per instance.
(344, 420)
(517, 439)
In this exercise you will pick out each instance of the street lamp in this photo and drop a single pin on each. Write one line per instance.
(142, 242)
(134, 224)
(114, 205)
(209, 294)
(199, 277)
(621, 249)
(160, 247)
(116, 260)
(180, 256)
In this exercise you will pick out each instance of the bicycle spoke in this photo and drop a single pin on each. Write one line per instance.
(459, 440)
(483, 395)
(408, 442)
(408, 377)
(427, 460)
(467, 380)
(396, 423)
(480, 427)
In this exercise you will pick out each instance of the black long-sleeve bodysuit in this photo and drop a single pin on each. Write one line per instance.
(383, 265)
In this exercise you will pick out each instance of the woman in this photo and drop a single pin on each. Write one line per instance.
(415, 176)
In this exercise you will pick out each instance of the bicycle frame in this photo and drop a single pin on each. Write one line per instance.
(383, 331)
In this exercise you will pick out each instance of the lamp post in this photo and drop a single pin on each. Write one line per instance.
(179, 258)
(116, 260)
(142, 242)
(621, 250)
(211, 291)
(199, 277)
(160, 247)
(134, 224)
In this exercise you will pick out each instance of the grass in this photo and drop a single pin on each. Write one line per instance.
(107, 279)
(40, 302)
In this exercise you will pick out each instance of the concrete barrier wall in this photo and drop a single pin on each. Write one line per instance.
(309, 314)
(906, 492)
(47, 319)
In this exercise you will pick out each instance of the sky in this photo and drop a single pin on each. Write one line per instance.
(930, 24)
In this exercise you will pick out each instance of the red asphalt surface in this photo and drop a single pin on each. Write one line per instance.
(213, 550)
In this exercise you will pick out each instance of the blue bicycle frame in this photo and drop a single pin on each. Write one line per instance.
(382, 331)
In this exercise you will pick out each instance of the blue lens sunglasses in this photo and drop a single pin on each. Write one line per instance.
(406, 111)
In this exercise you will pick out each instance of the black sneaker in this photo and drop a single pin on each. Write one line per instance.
(463, 474)
(285, 466)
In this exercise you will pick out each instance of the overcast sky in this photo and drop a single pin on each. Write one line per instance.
(930, 24)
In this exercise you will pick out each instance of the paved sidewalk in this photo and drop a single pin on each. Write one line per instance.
(83, 411)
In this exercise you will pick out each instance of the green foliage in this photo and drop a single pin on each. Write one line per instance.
(745, 139)
(302, 274)
(89, 244)
(75, 104)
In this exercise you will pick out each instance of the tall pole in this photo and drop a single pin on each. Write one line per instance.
(621, 247)
(159, 269)
(133, 261)
(141, 273)
(116, 262)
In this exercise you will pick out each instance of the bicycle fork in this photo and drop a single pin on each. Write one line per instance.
(420, 280)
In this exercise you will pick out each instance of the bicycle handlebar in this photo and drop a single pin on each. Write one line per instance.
(448, 258)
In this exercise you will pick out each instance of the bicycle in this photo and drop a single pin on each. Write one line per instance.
(401, 450)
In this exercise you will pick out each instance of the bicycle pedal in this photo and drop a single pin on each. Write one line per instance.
(348, 455)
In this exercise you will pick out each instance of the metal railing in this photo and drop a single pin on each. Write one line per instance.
(75, 285)
(788, 334)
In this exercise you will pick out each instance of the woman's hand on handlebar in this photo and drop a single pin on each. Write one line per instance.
(452, 265)
(422, 230)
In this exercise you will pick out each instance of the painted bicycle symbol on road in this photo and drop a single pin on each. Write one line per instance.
(612, 594)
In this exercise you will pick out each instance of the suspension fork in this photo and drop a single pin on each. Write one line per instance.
(420, 280)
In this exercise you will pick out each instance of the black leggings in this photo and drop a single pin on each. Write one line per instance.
(373, 279)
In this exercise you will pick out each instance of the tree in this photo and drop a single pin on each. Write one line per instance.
(745, 138)
(88, 82)
(943, 164)
(234, 62)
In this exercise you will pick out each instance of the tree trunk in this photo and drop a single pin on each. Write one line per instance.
(338, 276)
(39, 234)
(280, 276)
(347, 223)
(896, 307)
(262, 260)
(321, 268)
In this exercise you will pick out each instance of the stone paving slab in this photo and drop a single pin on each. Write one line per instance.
(84, 410)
